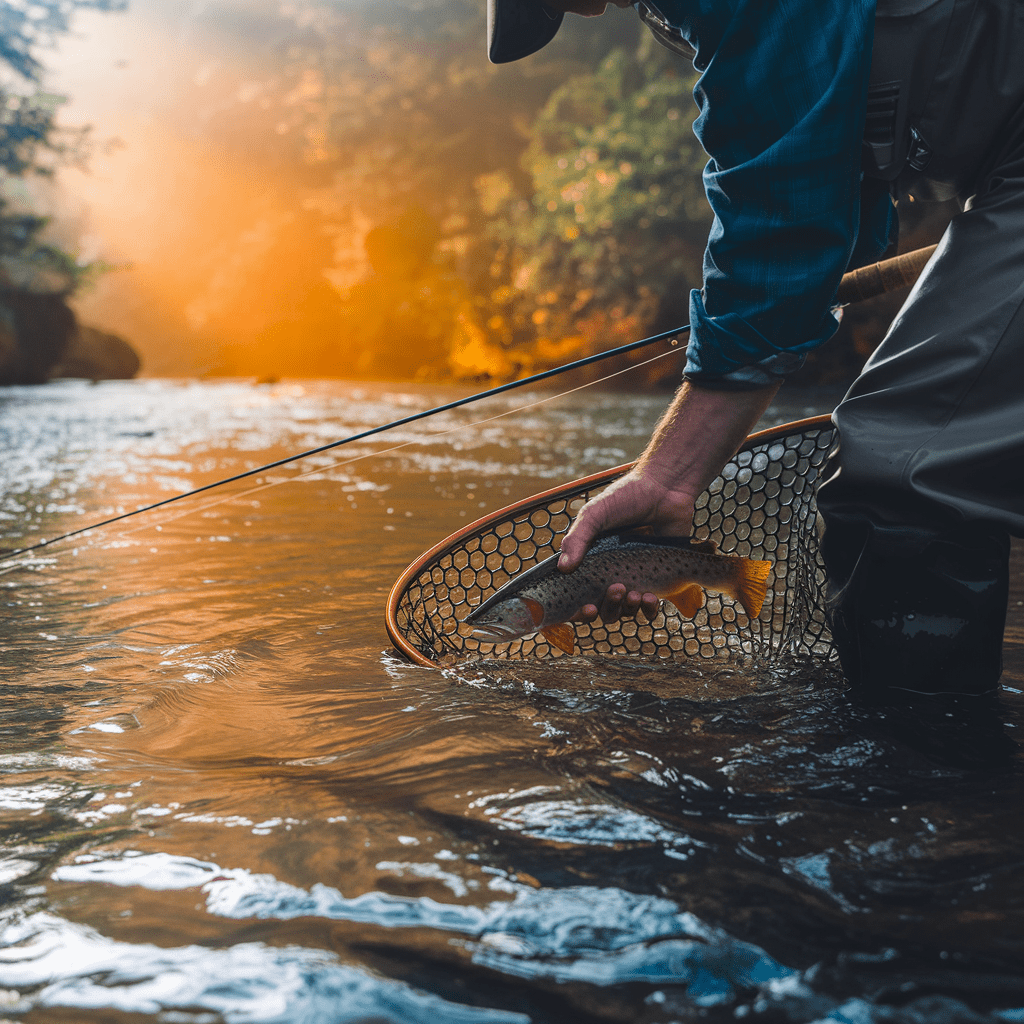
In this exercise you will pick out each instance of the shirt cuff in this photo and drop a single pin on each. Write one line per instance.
(750, 378)
(728, 352)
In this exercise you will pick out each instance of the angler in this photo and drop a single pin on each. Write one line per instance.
(817, 118)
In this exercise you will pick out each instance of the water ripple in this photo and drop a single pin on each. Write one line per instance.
(601, 936)
(72, 965)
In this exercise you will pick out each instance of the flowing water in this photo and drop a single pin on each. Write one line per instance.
(224, 798)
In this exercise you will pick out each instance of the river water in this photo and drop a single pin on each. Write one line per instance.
(224, 798)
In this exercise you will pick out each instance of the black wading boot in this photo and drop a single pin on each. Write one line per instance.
(914, 609)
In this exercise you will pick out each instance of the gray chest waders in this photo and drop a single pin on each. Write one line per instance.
(928, 481)
(947, 79)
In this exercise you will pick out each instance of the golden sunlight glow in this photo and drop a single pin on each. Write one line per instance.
(223, 264)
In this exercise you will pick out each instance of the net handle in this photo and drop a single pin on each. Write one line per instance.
(605, 476)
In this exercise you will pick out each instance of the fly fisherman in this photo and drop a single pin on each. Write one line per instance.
(929, 480)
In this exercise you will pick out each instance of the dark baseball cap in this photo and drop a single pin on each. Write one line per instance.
(517, 28)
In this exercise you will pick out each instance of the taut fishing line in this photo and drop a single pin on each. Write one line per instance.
(368, 433)
(383, 451)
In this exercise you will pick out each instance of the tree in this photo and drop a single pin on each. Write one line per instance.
(29, 25)
(609, 243)
(31, 141)
(400, 114)
(35, 277)
(567, 202)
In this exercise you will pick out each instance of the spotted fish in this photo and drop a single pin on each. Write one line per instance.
(542, 599)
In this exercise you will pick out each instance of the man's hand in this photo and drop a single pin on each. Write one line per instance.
(632, 500)
(699, 433)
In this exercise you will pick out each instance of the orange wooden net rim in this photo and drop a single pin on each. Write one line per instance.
(817, 427)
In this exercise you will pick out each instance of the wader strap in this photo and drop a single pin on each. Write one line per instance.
(947, 77)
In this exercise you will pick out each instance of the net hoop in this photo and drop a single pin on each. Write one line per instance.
(444, 583)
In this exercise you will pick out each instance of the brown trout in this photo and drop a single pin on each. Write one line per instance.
(542, 599)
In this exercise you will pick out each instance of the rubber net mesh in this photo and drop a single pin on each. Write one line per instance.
(761, 506)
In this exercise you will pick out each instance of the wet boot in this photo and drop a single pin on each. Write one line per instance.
(915, 609)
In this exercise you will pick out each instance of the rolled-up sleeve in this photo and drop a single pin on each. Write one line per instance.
(782, 100)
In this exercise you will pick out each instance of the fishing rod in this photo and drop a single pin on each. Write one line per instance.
(405, 444)
(887, 276)
(7, 553)
(865, 283)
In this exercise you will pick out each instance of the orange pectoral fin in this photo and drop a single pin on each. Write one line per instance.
(563, 636)
(688, 600)
(750, 584)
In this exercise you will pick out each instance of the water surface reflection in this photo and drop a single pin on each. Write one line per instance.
(223, 798)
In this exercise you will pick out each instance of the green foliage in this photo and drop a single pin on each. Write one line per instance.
(30, 140)
(26, 125)
(565, 189)
(27, 262)
(400, 110)
(398, 103)
(610, 241)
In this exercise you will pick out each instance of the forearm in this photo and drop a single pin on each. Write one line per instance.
(696, 437)
(699, 433)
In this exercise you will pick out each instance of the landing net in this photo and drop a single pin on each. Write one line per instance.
(761, 506)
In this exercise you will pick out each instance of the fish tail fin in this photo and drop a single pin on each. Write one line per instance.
(750, 584)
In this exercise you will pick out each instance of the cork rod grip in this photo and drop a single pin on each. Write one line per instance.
(887, 276)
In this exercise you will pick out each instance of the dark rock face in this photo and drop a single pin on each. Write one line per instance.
(40, 338)
(98, 355)
(35, 331)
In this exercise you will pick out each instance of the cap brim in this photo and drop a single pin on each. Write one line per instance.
(517, 28)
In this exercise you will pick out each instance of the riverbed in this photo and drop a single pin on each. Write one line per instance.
(224, 797)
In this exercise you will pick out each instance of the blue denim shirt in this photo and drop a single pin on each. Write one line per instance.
(782, 97)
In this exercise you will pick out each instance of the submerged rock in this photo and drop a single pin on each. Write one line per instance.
(41, 338)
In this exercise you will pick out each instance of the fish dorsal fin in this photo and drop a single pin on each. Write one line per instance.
(708, 546)
(563, 636)
(688, 600)
(536, 609)
(749, 585)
